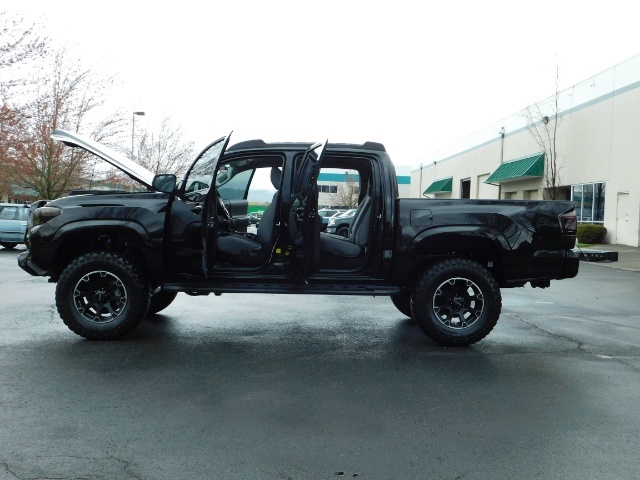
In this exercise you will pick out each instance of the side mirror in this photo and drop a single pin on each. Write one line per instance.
(165, 183)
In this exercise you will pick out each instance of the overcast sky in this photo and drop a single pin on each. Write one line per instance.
(409, 74)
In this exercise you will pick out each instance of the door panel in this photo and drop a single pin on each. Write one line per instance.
(305, 223)
(207, 162)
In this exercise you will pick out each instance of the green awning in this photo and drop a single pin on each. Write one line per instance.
(440, 186)
(523, 168)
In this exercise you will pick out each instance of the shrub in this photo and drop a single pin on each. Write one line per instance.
(589, 233)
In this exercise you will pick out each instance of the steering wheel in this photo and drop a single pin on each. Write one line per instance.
(223, 207)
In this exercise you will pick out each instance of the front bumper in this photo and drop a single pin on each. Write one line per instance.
(31, 267)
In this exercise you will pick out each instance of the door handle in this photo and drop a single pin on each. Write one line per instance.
(197, 209)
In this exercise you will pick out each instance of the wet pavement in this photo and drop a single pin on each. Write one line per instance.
(319, 387)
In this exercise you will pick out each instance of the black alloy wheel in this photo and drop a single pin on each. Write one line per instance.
(456, 302)
(102, 295)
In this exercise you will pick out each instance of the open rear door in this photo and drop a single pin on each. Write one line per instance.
(304, 221)
(205, 167)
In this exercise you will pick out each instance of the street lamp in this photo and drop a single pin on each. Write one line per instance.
(133, 130)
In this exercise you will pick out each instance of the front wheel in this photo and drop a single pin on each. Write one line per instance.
(456, 302)
(102, 295)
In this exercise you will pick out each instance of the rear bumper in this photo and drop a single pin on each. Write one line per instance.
(571, 265)
(543, 266)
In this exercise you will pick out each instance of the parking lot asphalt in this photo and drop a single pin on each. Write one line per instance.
(324, 387)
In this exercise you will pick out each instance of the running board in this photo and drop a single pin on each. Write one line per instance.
(202, 288)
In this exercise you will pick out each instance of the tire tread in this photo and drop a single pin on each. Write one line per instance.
(139, 297)
(426, 281)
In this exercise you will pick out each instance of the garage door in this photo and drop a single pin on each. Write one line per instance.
(484, 190)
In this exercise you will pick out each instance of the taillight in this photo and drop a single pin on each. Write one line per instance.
(569, 224)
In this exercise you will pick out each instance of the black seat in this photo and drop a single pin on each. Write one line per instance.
(248, 249)
(356, 242)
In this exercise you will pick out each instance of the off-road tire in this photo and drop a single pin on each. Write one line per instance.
(101, 285)
(449, 287)
(9, 245)
(402, 301)
(160, 301)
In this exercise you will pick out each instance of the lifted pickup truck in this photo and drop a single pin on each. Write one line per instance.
(117, 258)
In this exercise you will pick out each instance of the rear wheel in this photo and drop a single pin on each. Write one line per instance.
(102, 295)
(160, 301)
(456, 302)
(9, 245)
(402, 301)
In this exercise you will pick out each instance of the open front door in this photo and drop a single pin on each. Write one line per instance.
(304, 221)
(203, 170)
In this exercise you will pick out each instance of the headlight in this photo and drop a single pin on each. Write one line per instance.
(44, 214)
(332, 221)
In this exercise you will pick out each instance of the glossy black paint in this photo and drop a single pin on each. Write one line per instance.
(518, 241)
(133, 222)
(523, 240)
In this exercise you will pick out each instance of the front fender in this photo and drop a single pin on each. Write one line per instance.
(97, 226)
(52, 249)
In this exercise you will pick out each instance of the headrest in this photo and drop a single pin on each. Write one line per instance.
(221, 177)
(276, 177)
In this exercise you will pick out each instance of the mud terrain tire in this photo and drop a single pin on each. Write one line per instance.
(102, 295)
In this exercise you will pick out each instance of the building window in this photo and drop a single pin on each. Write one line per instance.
(328, 188)
(588, 199)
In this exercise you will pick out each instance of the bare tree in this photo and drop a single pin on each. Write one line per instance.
(12, 131)
(543, 120)
(19, 45)
(66, 100)
(347, 193)
(165, 150)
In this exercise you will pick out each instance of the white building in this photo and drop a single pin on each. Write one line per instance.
(597, 145)
(331, 179)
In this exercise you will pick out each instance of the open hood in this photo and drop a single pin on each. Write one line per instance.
(109, 155)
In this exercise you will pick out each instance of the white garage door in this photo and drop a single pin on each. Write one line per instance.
(484, 190)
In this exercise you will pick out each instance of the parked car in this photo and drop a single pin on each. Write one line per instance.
(339, 224)
(327, 213)
(13, 224)
(348, 213)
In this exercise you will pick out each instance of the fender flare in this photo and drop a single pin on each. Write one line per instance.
(109, 225)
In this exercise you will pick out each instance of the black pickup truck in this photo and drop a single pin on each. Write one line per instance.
(119, 257)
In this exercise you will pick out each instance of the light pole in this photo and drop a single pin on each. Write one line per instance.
(133, 130)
